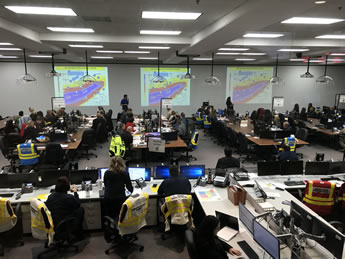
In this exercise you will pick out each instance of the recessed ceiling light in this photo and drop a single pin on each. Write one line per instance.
(63, 29)
(245, 59)
(227, 53)
(153, 47)
(100, 57)
(334, 37)
(147, 58)
(170, 15)
(306, 60)
(41, 10)
(5, 44)
(253, 54)
(312, 20)
(10, 49)
(202, 59)
(335, 59)
(85, 46)
(156, 32)
(136, 52)
(315, 61)
(263, 35)
(233, 49)
(293, 50)
(40, 56)
(320, 2)
(337, 54)
(109, 51)
(8, 56)
(296, 59)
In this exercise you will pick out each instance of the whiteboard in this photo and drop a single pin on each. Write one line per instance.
(278, 102)
(58, 102)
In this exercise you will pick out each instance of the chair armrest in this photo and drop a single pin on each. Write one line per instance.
(338, 225)
(17, 210)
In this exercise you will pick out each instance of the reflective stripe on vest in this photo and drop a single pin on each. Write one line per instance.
(7, 221)
(341, 196)
(291, 143)
(27, 154)
(195, 138)
(206, 121)
(135, 214)
(178, 204)
(319, 196)
(198, 116)
(117, 147)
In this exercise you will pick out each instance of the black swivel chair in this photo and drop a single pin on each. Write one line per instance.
(88, 141)
(189, 239)
(244, 147)
(108, 115)
(101, 133)
(10, 156)
(13, 140)
(302, 134)
(55, 155)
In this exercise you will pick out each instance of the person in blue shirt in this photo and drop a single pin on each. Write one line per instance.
(287, 155)
(124, 103)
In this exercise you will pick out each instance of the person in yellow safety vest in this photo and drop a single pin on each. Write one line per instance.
(117, 147)
(42, 226)
(179, 208)
(7, 217)
(291, 142)
(132, 214)
(198, 117)
(207, 122)
(194, 141)
(319, 196)
(27, 153)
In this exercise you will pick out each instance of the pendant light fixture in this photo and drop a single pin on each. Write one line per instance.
(26, 78)
(325, 79)
(212, 80)
(158, 78)
(53, 73)
(307, 74)
(276, 80)
(87, 78)
(188, 75)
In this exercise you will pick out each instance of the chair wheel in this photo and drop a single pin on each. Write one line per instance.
(141, 248)
(106, 252)
(163, 237)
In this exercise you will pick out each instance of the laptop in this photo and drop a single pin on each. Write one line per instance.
(228, 226)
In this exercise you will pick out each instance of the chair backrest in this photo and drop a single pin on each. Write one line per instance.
(89, 138)
(4, 146)
(254, 115)
(301, 133)
(189, 239)
(101, 132)
(14, 139)
(64, 230)
(54, 153)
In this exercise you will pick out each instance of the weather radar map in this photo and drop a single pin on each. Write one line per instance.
(175, 87)
(78, 93)
(249, 84)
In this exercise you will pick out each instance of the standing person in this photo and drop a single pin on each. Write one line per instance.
(229, 107)
(124, 102)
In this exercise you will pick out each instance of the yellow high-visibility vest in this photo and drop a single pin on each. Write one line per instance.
(27, 153)
(117, 147)
(7, 217)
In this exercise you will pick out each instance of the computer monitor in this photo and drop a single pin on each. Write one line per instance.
(268, 168)
(317, 167)
(192, 171)
(169, 136)
(16, 180)
(291, 167)
(101, 172)
(337, 167)
(266, 240)
(49, 177)
(334, 240)
(77, 176)
(161, 172)
(139, 172)
(246, 217)
(302, 218)
(227, 220)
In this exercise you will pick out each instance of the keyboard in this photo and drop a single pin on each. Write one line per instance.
(331, 178)
(293, 183)
(247, 250)
(6, 195)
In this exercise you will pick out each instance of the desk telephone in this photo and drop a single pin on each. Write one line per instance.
(201, 181)
(140, 183)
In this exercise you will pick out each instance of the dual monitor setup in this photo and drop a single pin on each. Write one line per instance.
(313, 227)
(296, 167)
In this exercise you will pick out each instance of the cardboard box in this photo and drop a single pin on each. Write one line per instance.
(237, 194)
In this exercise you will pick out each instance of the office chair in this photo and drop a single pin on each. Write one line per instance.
(55, 155)
(63, 238)
(191, 146)
(101, 132)
(108, 115)
(11, 230)
(13, 140)
(189, 239)
(302, 134)
(10, 156)
(88, 141)
(244, 147)
(254, 115)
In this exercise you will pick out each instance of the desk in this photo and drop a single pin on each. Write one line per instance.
(179, 143)
(312, 126)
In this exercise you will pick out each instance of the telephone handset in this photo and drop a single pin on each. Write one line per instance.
(201, 181)
(140, 183)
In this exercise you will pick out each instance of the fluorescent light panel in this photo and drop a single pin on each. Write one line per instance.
(306, 60)
(312, 20)
(136, 52)
(202, 59)
(335, 59)
(10, 49)
(253, 54)
(8, 56)
(153, 47)
(109, 51)
(320, 2)
(170, 15)
(85, 46)
(293, 50)
(263, 35)
(41, 10)
(337, 54)
(245, 59)
(100, 57)
(156, 32)
(296, 59)
(147, 58)
(228, 53)
(329, 36)
(242, 54)
(233, 49)
(64, 29)
(40, 56)
(5, 44)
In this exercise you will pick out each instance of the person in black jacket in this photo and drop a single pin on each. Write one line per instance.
(176, 184)
(63, 205)
(287, 155)
(207, 244)
(115, 181)
(228, 161)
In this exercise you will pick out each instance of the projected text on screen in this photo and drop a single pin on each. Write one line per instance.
(175, 86)
(249, 84)
(78, 93)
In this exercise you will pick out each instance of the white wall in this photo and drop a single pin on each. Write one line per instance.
(125, 79)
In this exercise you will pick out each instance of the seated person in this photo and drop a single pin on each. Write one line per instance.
(183, 118)
(127, 137)
(63, 205)
(287, 155)
(115, 181)
(39, 124)
(303, 115)
(287, 128)
(207, 244)
(172, 118)
(61, 112)
(51, 116)
(312, 113)
(181, 127)
(130, 122)
(228, 161)
(176, 184)
(99, 119)
(30, 132)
